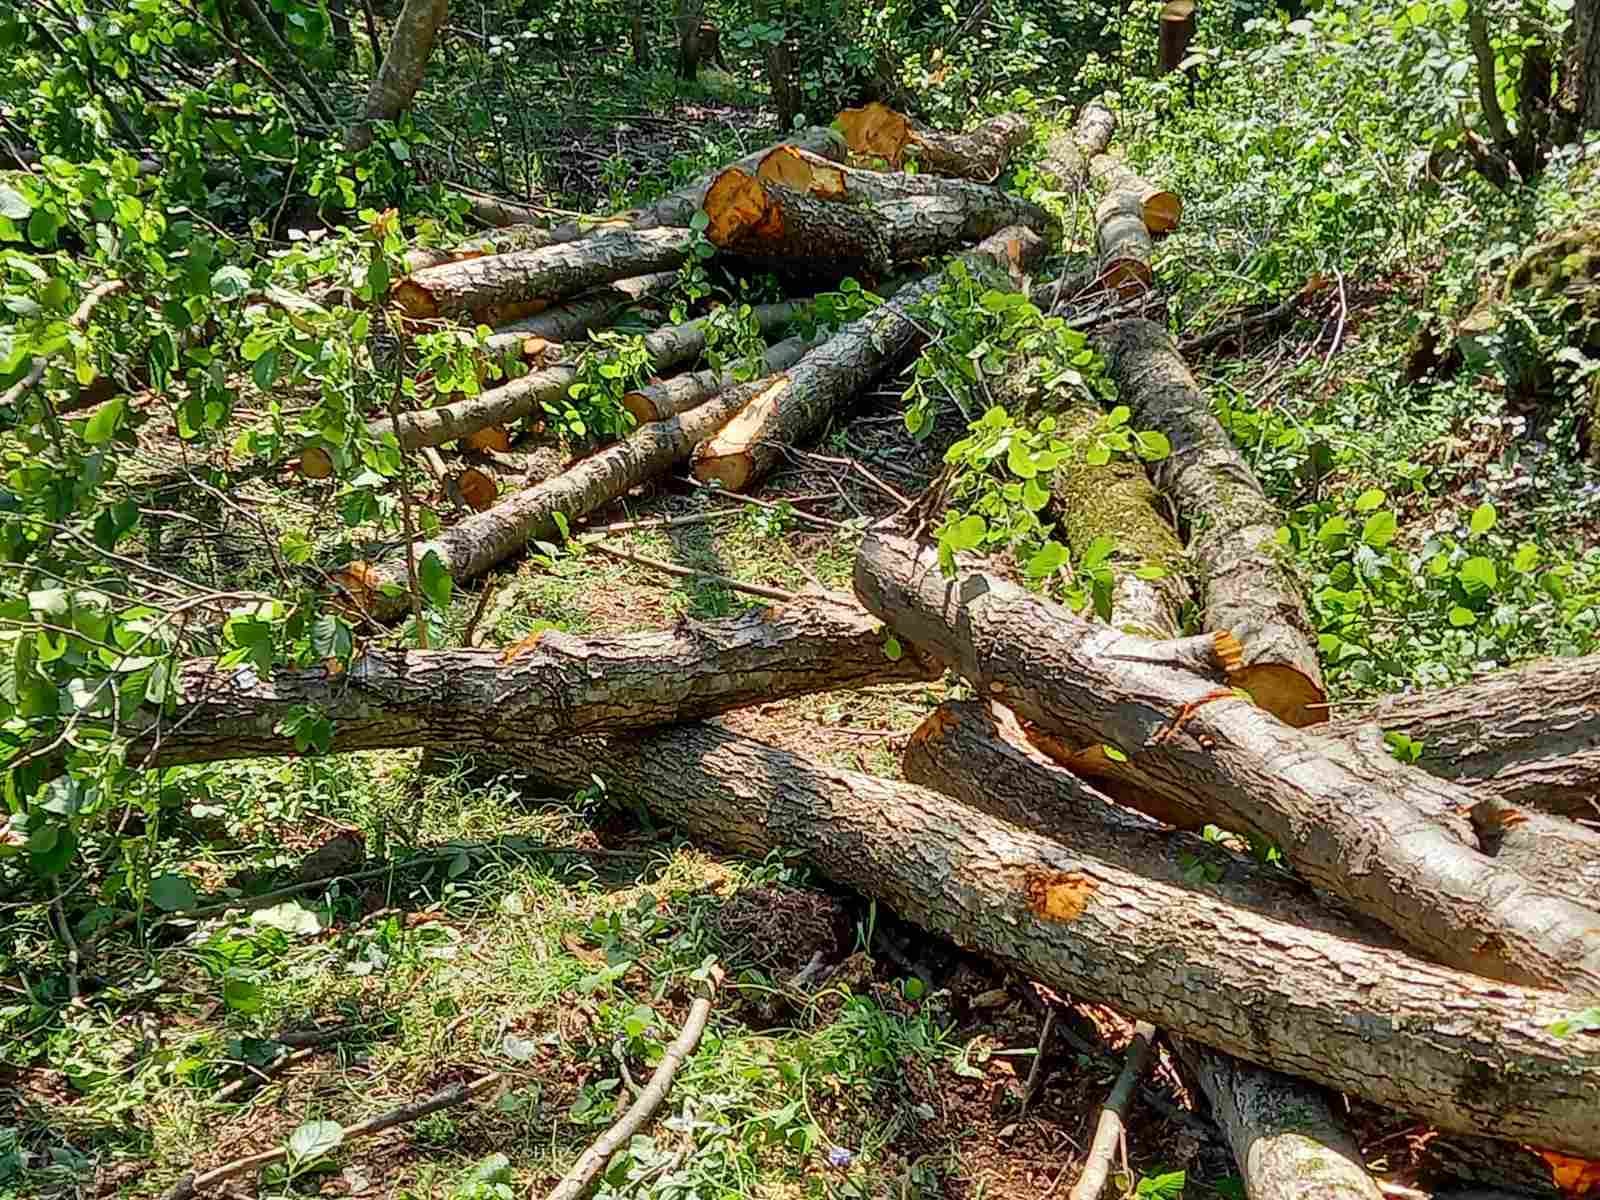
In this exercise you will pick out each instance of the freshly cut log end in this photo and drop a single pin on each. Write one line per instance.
(1124, 245)
(770, 221)
(477, 488)
(793, 168)
(1284, 691)
(1160, 209)
(316, 463)
(875, 130)
(727, 460)
(494, 437)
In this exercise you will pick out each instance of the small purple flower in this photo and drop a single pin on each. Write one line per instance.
(839, 1157)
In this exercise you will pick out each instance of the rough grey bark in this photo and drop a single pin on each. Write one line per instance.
(1460, 1052)
(669, 397)
(980, 153)
(578, 316)
(503, 240)
(400, 76)
(668, 347)
(923, 226)
(1562, 854)
(1390, 841)
(486, 286)
(551, 684)
(1068, 153)
(1123, 245)
(774, 223)
(1246, 585)
(834, 372)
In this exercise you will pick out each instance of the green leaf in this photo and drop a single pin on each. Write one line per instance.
(13, 205)
(265, 370)
(1099, 550)
(1462, 617)
(242, 995)
(1161, 1187)
(42, 226)
(968, 533)
(1152, 445)
(1046, 561)
(434, 579)
(314, 1140)
(1379, 529)
(1477, 575)
(893, 650)
(1483, 518)
(1114, 754)
(171, 892)
(52, 859)
(102, 425)
(1527, 558)
(1019, 460)
(1587, 1021)
(1369, 500)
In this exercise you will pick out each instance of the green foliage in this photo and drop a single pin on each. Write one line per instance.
(610, 367)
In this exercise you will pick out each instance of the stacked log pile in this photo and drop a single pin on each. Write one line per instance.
(1441, 920)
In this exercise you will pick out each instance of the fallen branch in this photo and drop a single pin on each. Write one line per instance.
(1108, 1131)
(1068, 154)
(669, 397)
(666, 568)
(981, 153)
(576, 317)
(593, 1160)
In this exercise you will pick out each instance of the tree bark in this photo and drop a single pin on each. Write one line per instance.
(669, 397)
(1284, 1136)
(479, 287)
(641, 43)
(773, 223)
(1530, 735)
(678, 207)
(1461, 1052)
(502, 240)
(576, 317)
(1160, 210)
(1177, 31)
(668, 347)
(1123, 245)
(1067, 155)
(786, 94)
(688, 22)
(1246, 585)
(552, 684)
(1564, 855)
(828, 376)
(484, 539)
(1580, 82)
(400, 76)
(981, 153)
(1389, 841)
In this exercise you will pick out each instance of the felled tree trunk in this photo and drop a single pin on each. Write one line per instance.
(1246, 585)
(668, 347)
(1123, 245)
(669, 397)
(403, 66)
(504, 240)
(812, 173)
(1389, 841)
(1159, 209)
(678, 207)
(827, 377)
(484, 539)
(1377, 1023)
(1530, 735)
(981, 153)
(552, 684)
(1562, 854)
(1115, 500)
(770, 222)
(1067, 155)
(578, 316)
(1283, 1133)
(484, 287)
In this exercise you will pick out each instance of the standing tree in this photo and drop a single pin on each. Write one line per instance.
(400, 75)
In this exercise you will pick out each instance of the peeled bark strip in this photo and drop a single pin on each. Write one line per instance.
(678, 207)
(1460, 1052)
(1284, 1136)
(679, 394)
(835, 371)
(484, 539)
(403, 67)
(773, 222)
(668, 347)
(1159, 209)
(551, 684)
(1067, 154)
(1123, 244)
(1114, 500)
(497, 281)
(1387, 840)
(1530, 735)
(1246, 585)
(981, 153)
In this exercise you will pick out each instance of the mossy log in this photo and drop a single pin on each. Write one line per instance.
(1458, 1051)
(773, 223)
(981, 153)
(669, 346)
(669, 397)
(1390, 841)
(480, 541)
(1160, 209)
(826, 378)
(1246, 584)
(493, 288)
(1068, 153)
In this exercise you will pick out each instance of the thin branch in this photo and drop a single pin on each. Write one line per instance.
(655, 564)
(1108, 1133)
(264, 26)
(405, 492)
(1034, 1071)
(594, 1159)
(469, 635)
(73, 956)
(825, 522)
(1488, 87)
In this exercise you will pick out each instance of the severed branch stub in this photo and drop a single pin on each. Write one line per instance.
(1108, 1131)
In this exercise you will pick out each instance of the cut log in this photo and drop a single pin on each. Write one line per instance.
(678, 207)
(474, 487)
(981, 153)
(1177, 31)
(505, 240)
(668, 347)
(1530, 736)
(488, 287)
(1067, 154)
(836, 371)
(484, 539)
(1114, 500)
(1123, 245)
(1246, 585)
(1458, 1051)
(923, 226)
(1283, 1134)
(1160, 210)
(669, 397)
(773, 223)
(1390, 841)
(1562, 854)
(572, 319)
(551, 684)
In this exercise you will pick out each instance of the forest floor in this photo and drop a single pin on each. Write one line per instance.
(899, 1068)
